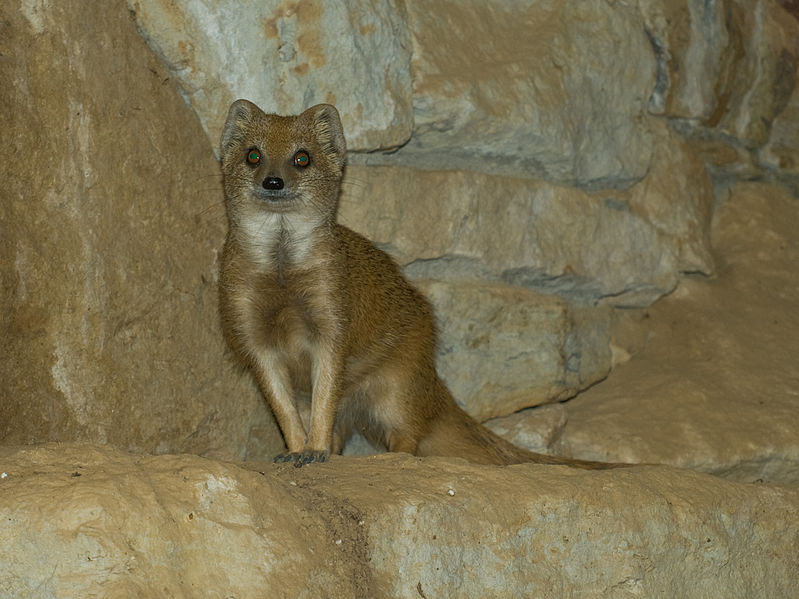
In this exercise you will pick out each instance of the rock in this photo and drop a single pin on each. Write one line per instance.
(554, 90)
(729, 65)
(120, 526)
(119, 324)
(625, 248)
(286, 56)
(764, 78)
(109, 227)
(111, 215)
(677, 197)
(503, 348)
(726, 71)
(781, 154)
(81, 520)
(697, 51)
(535, 429)
(501, 87)
(715, 388)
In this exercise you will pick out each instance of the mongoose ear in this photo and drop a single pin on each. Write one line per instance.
(239, 115)
(329, 132)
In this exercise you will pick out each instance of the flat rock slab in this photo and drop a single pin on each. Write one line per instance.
(717, 387)
(502, 348)
(504, 87)
(625, 248)
(86, 520)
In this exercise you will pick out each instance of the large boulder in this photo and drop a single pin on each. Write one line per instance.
(111, 218)
(715, 389)
(503, 348)
(84, 521)
(625, 248)
(287, 56)
(556, 90)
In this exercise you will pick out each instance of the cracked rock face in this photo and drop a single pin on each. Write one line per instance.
(288, 55)
(111, 219)
(82, 520)
(506, 87)
(502, 348)
(623, 248)
(716, 387)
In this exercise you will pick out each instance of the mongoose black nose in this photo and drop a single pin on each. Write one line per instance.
(273, 183)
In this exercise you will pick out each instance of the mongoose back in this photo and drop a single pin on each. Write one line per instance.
(310, 306)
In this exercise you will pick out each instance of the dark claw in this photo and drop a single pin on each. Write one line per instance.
(304, 457)
(285, 457)
(308, 456)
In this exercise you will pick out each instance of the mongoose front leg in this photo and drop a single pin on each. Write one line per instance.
(324, 405)
(275, 383)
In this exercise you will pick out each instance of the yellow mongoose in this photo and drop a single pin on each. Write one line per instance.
(309, 305)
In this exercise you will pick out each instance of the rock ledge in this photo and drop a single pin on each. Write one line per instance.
(88, 520)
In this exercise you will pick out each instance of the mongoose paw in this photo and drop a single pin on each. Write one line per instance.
(303, 457)
(307, 456)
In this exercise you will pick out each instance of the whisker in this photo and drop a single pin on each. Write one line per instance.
(209, 207)
(353, 181)
(201, 190)
(208, 176)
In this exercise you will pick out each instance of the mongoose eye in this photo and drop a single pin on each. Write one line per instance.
(253, 156)
(301, 158)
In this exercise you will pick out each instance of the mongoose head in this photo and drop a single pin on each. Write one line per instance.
(287, 164)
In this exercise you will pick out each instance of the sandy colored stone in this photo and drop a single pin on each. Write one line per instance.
(697, 50)
(767, 73)
(781, 154)
(503, 348)
(729, 65)
(552, 89)
(535, 429)
(83, 521)
(116, 525)
(716, 387)
(110, 221)
(726, 73)
(286, 56)
(676, 198)
(627, 248)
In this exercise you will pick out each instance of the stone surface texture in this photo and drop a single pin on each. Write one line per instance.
(781, 154)
(110, 221)
(543, 170)
(536, 429)
(626, 248)
(384, 526)
(726, 71)
(554, 89)
(564, 91)
(715, 389)
(110, 265)
(504, 348)
(287, 55)
(696, 53)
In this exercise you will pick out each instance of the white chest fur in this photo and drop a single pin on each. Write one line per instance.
(268, 237)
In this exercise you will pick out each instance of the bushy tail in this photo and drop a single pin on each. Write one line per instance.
(455, 433)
